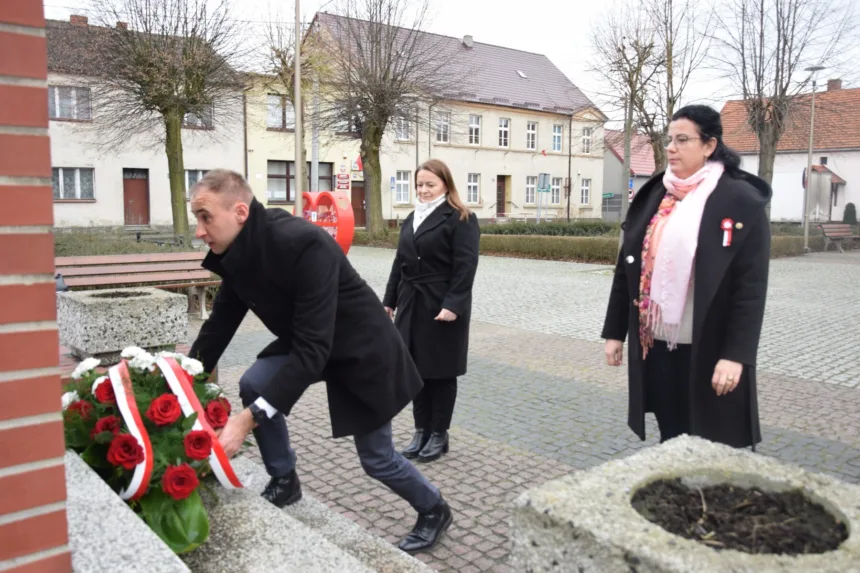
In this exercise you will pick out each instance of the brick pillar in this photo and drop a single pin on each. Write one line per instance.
(33, 528)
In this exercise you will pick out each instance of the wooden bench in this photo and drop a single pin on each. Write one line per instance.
(170, 271)
(837, 233)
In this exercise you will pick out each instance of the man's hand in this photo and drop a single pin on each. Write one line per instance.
(390, 312)
(233, 435)
(727, 374)
(446, 315)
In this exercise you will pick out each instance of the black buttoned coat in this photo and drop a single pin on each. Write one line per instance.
(728, 305)
(327, 320)
(434, 268)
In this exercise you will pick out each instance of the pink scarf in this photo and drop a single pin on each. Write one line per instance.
(668, 253)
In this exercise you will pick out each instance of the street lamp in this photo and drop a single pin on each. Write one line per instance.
(812, 70)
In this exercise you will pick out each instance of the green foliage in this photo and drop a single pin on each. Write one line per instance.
(849, 216)
(584, 228)
(86, 243)
(182, 524)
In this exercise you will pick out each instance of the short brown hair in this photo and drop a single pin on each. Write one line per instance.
(438, 168)
(225, 183)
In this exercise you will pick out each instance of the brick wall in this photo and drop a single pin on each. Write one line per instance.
(33, 528)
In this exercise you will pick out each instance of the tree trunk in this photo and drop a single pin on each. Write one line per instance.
(768, 140)
(176, 173)
(370, 143)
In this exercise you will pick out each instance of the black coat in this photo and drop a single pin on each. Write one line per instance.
(330, 323)
(434, 268)
(728, 306)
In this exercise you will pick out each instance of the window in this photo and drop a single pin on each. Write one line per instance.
(68, 102)
(443, 127)
(72, 183)
(557, 132)
(473, 188)
(281, 113)
(401, 128)
(504, 132)
(346, 123)
(586, 139)
(401, 189)
(822, 160)
(531, 186)
(474, 130)
(202, 120)
(281, 185)
(585, 192)
(555, 191)
(531, 135)
(192, 176)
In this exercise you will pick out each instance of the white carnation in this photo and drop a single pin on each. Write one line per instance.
(143, 361)
(192, 366)
(214, 389)
(132, 351)
(85, 366)
(70, 398)
(168, 354)
(98, 381)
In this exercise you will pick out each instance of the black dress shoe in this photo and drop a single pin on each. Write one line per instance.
(428, 529)
(419, 440)
(283, 491)
(436, 446)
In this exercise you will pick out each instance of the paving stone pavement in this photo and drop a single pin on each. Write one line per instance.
(539, 402)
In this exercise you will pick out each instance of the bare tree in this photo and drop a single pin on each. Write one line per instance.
(767, 45)
(382, 66)
(165, 66)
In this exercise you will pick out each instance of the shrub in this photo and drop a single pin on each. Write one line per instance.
(581, 249)
(850, 214)
(784, 246)
(593, 228)
(87, 243)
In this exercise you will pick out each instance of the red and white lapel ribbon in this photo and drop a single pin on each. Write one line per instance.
(182, 385)
(124, 393)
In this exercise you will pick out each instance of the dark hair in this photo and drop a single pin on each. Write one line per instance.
(438, 168)
(710, 126)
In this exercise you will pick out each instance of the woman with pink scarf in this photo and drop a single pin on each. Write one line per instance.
(690, 287)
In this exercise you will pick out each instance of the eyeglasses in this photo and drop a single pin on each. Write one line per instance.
(680, 140)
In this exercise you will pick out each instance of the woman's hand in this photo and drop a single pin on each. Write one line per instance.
(390, 312)
(727, 374)
(446, 316)
(614, 350)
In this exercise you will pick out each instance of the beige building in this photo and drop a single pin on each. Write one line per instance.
(527, 119)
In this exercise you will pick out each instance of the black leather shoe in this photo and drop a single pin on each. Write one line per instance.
(436, 446)
(283, 491)
(428, 529)
(419, 440)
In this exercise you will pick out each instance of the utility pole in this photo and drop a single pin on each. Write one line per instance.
(297, 102)
(315, 138)
(628, 136)
(814, 70)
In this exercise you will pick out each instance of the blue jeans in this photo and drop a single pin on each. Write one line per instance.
(376, 452)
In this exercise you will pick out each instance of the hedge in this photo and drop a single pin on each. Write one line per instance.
(593, 228)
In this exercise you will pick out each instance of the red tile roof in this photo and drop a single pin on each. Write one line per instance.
(834, 178)
(837, 123)
(641, 152)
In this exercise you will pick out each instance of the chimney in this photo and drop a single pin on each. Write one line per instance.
(122, 25)
(77, 20)
(468, 42)
(833, 85)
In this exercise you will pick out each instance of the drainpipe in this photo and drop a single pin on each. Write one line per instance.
(417, 119)
(245, 128)
(429, 130)
(569, 163)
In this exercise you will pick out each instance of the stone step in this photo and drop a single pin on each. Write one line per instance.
(377, 553)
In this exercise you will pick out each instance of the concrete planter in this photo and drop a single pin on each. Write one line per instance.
(585, 523)
(100, 323)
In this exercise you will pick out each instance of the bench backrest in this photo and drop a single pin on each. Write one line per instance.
(61, 262)
(835, 230)
(108, 270)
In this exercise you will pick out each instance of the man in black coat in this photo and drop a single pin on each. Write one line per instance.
(330, 326)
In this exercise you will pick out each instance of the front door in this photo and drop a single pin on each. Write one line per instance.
(358, 203)
(135, 192)
(500, 194)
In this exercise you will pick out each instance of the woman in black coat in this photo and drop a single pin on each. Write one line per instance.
(690, 287)
(431, 289)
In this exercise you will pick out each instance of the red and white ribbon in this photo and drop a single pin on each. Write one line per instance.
(181, 384)
(124, 393)
(726, 226)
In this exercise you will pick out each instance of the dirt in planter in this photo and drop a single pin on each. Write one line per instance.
(120, 294)
(749, 520)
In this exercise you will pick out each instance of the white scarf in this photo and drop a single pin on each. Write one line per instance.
(423, 210)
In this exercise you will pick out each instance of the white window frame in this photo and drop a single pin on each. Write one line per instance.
(443, 127)
(587, 133)
(402, 131)
(474, 130)
(402, 186)
(504, 132)
(555, 191)
(77, 191)
(531, 135)
(200, 174)
(558, 138)
(77, 111)
(585, 192)
(473, 188)
(286, 112)
(531, 189)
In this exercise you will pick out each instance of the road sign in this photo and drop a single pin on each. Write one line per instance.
(608, 195)
(631, 183)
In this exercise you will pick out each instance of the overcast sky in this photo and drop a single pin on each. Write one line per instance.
(560, 29)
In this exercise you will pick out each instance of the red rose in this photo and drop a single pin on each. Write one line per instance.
(83, 408)
(106, 424)
(198, 445)
(104, 393)
(164, 410)
(179, 481)
(125, 451)
(217, 412)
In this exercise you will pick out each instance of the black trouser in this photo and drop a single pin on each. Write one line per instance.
(433, 407)
(667, 388)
